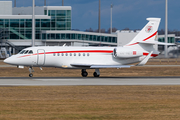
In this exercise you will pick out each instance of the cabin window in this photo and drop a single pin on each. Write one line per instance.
(84, 54)
(26, 52)
(74, 54)
(70, 54)
(30, 52)
(79, 54)
(62, 54)
(58, 54)
(66, 54)
(87, 54)
(54, 54)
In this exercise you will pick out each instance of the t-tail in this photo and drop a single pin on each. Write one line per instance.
(145, 39)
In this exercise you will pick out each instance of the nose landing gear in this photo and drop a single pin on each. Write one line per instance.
(31, 70)
(30, 75)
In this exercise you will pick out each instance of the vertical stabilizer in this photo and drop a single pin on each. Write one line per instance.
(147, 34)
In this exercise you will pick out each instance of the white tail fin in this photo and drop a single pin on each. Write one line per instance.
(147, 34)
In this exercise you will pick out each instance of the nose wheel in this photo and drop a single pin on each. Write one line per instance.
(31, 70)
(30, 75)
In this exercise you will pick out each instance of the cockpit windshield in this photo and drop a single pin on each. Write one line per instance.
(30, 52)
(22, 52)
(26, 52)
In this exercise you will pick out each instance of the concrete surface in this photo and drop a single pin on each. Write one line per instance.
(89, 81)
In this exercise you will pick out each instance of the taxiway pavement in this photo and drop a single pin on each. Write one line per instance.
(89, 81)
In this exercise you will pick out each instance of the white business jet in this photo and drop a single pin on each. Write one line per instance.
(140, 49)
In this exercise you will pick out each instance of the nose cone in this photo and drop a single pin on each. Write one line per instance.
(11, 60)
(8, 61)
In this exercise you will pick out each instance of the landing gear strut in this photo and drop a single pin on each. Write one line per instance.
(31, 70)
(96, 73)
(84, 73)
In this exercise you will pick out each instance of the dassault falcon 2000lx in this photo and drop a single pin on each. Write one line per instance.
(140, 49)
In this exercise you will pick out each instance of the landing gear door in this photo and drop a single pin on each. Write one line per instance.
(40, 57)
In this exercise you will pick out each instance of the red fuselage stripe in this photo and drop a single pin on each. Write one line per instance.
(80, 51)
(86, 51)
(83, 51)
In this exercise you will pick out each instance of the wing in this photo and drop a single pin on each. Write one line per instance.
(101, 66)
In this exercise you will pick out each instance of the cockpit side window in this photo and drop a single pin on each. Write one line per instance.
(30, 52)
(22, 52)
(26, 52)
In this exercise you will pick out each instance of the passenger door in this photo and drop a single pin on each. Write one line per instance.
(40, 57)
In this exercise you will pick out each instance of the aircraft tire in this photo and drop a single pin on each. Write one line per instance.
(30, 75)
(95, 74)
(84, 74)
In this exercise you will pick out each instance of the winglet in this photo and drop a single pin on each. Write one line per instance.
(143, 62)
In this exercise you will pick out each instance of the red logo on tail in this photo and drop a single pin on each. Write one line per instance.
(148, 29)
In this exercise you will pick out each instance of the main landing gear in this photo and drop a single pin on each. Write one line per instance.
(31, 70)
(95, 74)
(84, 73)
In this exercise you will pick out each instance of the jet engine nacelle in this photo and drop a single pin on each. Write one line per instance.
(126, 53)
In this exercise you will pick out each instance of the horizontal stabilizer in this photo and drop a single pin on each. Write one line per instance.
(101, 66)
(146, 42)
(161, 43)
(143, 62)
(155, 42)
